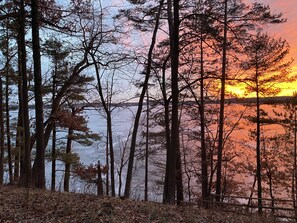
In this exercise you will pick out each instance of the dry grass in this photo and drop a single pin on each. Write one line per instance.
(23, 205)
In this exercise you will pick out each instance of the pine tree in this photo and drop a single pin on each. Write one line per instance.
(265, 66)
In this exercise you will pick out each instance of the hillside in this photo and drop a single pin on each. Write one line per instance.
(23, 205)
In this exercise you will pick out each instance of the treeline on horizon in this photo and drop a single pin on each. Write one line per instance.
(94, 105)
(58, 56)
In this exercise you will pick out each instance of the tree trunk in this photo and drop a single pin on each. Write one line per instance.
(167, 114)
(167, 128)
(146, 147)
(25, 178)
(109, 129)
(250, 201)
(68, 160)
(269, 175)
(222, 110)
(78, 68)
(8, 138)
(294, 181)
(204, 174)
(39, 166)
(106, 106)
(140, 104)
(107, 163)
(53, 178)
(99, 181)
(258, 149)
(54, 136)
(179, 178)
(1, 133)
(18, 145)
(173, 21)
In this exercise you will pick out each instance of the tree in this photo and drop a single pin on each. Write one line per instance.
(265, 66)
(7, 72)
(140, 103)
(287, 117)
(77, 130)
(106, 103)
(170, 177)
(25, 174)
(39, 166)
(57, 53)
(222, 106)
(242, 19)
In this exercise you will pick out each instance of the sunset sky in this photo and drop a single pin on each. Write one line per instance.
(286, 31)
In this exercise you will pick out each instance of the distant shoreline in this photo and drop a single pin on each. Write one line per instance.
(266, 100)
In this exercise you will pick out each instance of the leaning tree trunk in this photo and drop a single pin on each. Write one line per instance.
(140, 104)
(109, 126)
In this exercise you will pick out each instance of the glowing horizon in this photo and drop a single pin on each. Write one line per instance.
(286, 31)
(287, 88)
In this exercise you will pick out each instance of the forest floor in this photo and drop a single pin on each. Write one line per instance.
(24, 205)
